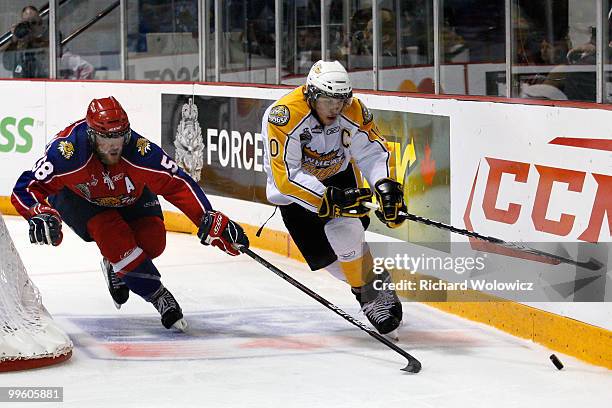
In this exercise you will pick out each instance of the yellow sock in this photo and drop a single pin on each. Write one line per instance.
(358, 272)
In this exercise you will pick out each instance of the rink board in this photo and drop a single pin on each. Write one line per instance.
(500, 153)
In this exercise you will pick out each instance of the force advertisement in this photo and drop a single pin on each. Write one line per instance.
(217, 140)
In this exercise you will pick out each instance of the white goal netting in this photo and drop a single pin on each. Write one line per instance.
(29, 337)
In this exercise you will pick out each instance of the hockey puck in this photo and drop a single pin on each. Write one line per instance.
(555, 360)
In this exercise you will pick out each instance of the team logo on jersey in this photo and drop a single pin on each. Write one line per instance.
(114, 201)
(66, 149)
(108, 180)
(317, 129)
(84, 188)
(367, 115)
(323, 165)
(279, 115)
(188, 141)
(305, 136)
(143, 146)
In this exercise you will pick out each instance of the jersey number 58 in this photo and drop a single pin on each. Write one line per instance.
(169, 164)
(42, 169)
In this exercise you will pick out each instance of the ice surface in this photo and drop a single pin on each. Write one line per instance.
(256, 341)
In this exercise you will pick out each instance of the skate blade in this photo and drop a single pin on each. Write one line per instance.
(392, 335)
(117, 305)
(180, 325)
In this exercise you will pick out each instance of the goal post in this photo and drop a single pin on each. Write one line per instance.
(29, 337)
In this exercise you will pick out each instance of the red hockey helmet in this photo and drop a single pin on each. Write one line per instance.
(106, 118)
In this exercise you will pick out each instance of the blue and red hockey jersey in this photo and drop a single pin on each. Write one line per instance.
(70, 161)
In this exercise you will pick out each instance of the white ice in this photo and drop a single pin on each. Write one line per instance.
(256, 341)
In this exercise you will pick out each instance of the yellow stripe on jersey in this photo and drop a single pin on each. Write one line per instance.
(277, 141)
(279, 127)
(358, 113)
(289, 111)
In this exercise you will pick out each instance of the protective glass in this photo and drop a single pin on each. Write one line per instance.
(123, 135)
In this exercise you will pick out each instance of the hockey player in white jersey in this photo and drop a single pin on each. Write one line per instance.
(316, 140)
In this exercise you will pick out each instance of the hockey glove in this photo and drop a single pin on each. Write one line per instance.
(344, 203)
(390, 197)
(45, 225)
(219, 231)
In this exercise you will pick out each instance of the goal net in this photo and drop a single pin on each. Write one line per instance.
(29, 338)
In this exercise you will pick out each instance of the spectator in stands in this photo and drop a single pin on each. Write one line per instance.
(72, 66)
(308, 43)
(363, 37)
(27, 56)
(563, 82)
(388, 38)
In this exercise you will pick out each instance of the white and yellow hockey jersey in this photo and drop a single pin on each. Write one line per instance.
(300, 152)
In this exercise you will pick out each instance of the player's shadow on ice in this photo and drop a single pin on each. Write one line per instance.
(299, 328)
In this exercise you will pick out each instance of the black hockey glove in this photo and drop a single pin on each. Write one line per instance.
(45, 225)
(219, 231)
(344, 203)
(390, 197)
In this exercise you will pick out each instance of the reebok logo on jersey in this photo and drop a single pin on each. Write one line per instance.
(330, 131)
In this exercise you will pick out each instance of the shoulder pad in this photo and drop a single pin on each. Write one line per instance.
(143, 146)
(365, 112)
(139, 147)
(70, 146)
(66, 149)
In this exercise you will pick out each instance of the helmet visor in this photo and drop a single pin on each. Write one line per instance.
(124, 134)
(331, 104)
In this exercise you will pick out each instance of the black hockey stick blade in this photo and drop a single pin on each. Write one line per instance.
(414, 365)
(592, 264)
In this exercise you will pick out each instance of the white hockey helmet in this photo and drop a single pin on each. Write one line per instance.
(328, 78)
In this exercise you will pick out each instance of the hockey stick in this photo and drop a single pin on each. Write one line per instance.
(592, 264)
(414, 366)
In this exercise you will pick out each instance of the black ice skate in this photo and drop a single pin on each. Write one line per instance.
(382, 307)
(169, 309)
(117, 288)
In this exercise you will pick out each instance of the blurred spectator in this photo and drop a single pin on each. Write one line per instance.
(72, 66)
(362, 41)
(564, 81)
(308, 43)
(416, 36)
(388, 33)
(27, 56)
(475, 29)
(584, 54)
